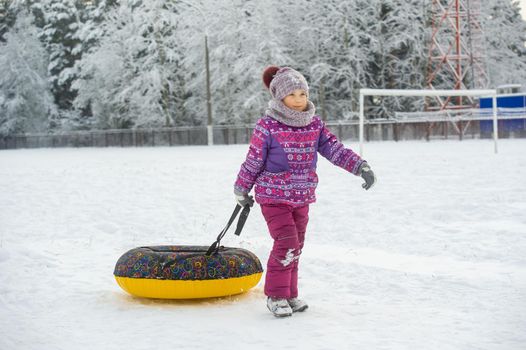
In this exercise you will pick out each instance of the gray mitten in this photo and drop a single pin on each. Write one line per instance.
(244, 199)
(368, 175)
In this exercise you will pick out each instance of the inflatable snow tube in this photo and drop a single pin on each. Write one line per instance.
(186, 272)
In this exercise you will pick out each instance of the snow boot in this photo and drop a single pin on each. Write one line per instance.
(279, 307)
(297, 305)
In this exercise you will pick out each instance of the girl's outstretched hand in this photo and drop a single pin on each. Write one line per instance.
(368, 175)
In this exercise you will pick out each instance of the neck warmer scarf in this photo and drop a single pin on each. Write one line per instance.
(288, 116)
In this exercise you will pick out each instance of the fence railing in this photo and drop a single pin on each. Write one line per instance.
(375, 129)
(129, 137)
(460, 115)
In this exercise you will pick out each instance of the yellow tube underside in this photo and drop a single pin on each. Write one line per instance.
(173, 289)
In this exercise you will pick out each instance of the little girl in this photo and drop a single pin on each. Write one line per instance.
(281, 162)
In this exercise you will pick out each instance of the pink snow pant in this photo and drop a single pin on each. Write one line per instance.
(287, 227)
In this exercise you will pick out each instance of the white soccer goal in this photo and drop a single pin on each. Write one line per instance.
(426, 93)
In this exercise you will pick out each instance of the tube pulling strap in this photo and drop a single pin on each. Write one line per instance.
(214, 248)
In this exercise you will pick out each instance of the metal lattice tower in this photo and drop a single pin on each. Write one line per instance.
(456, 54)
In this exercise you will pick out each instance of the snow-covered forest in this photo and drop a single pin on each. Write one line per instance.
(100, 64)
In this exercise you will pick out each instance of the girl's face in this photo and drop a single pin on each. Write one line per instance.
(297, 100)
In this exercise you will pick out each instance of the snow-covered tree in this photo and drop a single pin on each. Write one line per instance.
(88, 35)
(61, 21)
(128, 79)
(91, 30)
(345, 45)
(242, 42)
(505, 32)
(26, 103)
(4, 19)
(339, 40)
(399, 52)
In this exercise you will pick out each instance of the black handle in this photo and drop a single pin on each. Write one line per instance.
(240, 223)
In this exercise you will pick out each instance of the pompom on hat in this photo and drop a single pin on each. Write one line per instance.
(269, 74)
(281, 81)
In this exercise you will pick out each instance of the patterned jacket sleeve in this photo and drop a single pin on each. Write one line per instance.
(331, 148)
(255, 161)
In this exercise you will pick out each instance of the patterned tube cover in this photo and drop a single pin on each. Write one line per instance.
(186, 263)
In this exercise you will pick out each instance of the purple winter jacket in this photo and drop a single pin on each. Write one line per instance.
(281, 161)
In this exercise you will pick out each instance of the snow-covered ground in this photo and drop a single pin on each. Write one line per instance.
(433, 257)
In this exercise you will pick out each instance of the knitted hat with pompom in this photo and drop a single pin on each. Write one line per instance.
(281, 81)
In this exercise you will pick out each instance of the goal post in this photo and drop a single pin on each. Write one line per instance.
(427, 93)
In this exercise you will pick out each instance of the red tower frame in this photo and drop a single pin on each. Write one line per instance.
(456, 54)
